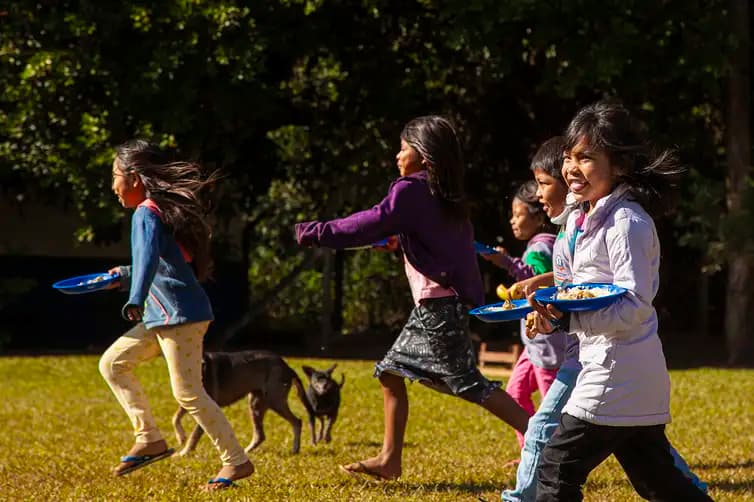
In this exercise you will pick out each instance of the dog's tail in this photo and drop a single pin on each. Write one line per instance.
(303, 397)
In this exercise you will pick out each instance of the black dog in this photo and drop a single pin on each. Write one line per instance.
(324, 396)
(264, 377)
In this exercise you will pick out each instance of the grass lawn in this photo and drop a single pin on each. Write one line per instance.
(63, 431)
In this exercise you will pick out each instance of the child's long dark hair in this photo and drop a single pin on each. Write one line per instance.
(435, 139)
(649, 174)
(176, 187)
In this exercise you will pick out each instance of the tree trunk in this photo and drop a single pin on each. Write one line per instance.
(326, 327)
(739, 311)
(337, 312)
(702, 304)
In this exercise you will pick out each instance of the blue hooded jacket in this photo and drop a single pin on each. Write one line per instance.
(160, 276)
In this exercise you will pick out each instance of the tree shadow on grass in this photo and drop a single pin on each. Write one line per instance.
(442, 487)
(376, 444)
(725, 465)
(733, 487)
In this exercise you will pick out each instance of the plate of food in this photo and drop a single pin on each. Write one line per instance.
(85, 283)
(502, 311)
(580, 297)
(483, 248)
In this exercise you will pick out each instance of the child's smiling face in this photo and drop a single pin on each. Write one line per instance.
(408, 159)
(524, 224)
(551, 192)
(127, 187)
(588, 173)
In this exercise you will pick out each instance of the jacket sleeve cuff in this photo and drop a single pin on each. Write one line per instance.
(306, 234)
(123, 310)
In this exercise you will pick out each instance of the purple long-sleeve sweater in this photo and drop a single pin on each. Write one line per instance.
(436, 246)
(537, 258)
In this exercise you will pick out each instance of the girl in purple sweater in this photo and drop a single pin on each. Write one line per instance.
(426, 207)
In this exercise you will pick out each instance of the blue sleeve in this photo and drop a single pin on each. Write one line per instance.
(146, 234)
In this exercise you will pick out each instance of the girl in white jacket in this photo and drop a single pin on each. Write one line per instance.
(620, 403)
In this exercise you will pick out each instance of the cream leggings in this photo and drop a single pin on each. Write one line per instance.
(182, 347)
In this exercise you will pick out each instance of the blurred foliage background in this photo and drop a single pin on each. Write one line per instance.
(300, 104)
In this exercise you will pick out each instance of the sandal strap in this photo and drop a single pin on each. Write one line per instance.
(135, 458)
(144, 458)
(223, 481)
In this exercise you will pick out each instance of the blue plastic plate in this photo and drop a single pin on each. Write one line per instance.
(483, 249)
(609, 294)
(85, 283)
(495, 313)
(379, 243)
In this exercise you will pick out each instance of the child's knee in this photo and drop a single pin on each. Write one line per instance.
(188, 398)
(110, 366)
(478, 394)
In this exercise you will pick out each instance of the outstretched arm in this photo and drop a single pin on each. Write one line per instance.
(390, 217)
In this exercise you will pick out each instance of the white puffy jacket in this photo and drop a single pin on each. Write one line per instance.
(624, 380)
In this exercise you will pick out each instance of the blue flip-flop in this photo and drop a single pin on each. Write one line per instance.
(227, 483)
(142, 461)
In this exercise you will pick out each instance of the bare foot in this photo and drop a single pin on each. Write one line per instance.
(377, 467)
(141, 449)
(231, 473)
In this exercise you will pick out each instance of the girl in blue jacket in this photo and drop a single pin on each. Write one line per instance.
(170, 254)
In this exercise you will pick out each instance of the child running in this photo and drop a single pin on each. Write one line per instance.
(427, 208)
(620, 402)
(552, 193)
(169, 244)
(542, 355)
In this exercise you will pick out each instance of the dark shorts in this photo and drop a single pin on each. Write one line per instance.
(434, 348)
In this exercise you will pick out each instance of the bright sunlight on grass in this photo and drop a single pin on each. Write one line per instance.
(63, 431)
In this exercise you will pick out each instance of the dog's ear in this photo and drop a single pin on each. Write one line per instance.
(342, 380)
(330, 369)
(308, 370)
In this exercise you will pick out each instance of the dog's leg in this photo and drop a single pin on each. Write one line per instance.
(194, 438)
(180, 434)
(321, 432)
(280, 406)
(257, 409)
(305, 401)
(329, 421)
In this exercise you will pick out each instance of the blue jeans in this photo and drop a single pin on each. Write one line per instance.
(541, 428)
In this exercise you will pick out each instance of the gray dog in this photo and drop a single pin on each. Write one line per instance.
(324, 396)
(264, 377)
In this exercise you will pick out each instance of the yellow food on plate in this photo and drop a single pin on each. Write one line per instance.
(530, 324)
(580, 293)
(508, 294)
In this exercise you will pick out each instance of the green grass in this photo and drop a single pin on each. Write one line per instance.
(63, 431)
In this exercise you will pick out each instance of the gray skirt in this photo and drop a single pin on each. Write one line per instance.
(434, 348)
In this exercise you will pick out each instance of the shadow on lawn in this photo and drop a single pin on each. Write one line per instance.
(443, 487)
(376, 444)
(725, 465)
(732, 487)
